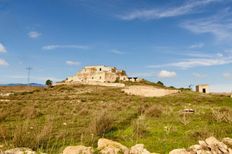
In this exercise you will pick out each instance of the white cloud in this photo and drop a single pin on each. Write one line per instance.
(117, 52)
(220, 88)
(227, 75)
(3, 62)
(220, 26)
(73, 63)
(56, 46)
(142, 74)
(199, 75)
(198, 45)
(2, 48)
(35, 78)
(34, 34)
(148, 14)
(218, 59)
(199, 55)
(166, 74)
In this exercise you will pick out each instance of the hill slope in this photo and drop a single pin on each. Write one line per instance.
(50, 119)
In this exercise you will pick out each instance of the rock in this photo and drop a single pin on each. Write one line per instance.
(216, 146)
(203, 145)
(139, 149)
(20, 151)
(110, 150)
(227, 141)
(203, 152)
(106, 146)
(212, 141)
(195, 148)
(179, 151)
(78, 150)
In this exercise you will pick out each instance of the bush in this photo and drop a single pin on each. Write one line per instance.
(160, 83)
(23, 136)
(200, 134)
(30, 112)
(31, 136)
(139, 127)
(3, 115)
(102, 124)
(154, 111)
(222, 115)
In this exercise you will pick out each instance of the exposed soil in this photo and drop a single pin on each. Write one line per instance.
(148, 91)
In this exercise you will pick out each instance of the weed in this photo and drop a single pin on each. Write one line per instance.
(154, 111)
(102, 123)
(222, 115)
(139, 127)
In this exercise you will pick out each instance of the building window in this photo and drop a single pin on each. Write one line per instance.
(100, 77)
(92, 77)
(100, 69)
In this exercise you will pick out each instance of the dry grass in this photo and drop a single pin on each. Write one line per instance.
(185, 118)
(8, 89)
(3, 115)
(30, 112)
(81, 114)
(101, 124)
(139, 127)
(154, 111)
(222, 115)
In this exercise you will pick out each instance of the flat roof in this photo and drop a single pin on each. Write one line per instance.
(202, 85)
(98, 66)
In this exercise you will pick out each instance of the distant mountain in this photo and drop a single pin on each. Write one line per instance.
(23, 84)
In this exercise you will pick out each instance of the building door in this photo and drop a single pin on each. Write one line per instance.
(204, 90)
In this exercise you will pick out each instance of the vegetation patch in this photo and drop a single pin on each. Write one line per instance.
(48, 119)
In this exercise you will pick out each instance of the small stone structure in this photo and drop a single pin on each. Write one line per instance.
(202, 88)
(134, 79)
(102, 74)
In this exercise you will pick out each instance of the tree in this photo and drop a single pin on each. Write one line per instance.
(49, 83)
(190, 87)
(117, 80)
(160, 83)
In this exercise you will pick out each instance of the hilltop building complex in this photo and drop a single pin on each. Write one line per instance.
(101, 73)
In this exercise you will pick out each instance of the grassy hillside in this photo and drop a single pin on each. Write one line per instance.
(50, 119)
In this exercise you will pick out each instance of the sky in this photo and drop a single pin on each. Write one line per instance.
(181, 42)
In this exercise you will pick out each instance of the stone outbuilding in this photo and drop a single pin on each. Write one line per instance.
(202, 88)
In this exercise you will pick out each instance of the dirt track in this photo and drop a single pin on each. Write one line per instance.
(148, 91)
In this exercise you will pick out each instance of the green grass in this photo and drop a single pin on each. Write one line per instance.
(49, 119)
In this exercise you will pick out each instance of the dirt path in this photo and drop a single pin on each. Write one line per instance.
(148, 91)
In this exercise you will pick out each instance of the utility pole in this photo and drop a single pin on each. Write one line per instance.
(28, 75)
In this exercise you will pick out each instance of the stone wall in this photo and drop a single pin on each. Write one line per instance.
(105, 146)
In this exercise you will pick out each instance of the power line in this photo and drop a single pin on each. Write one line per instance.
(28, 75)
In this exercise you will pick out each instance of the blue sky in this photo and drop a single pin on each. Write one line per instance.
(179, 42)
